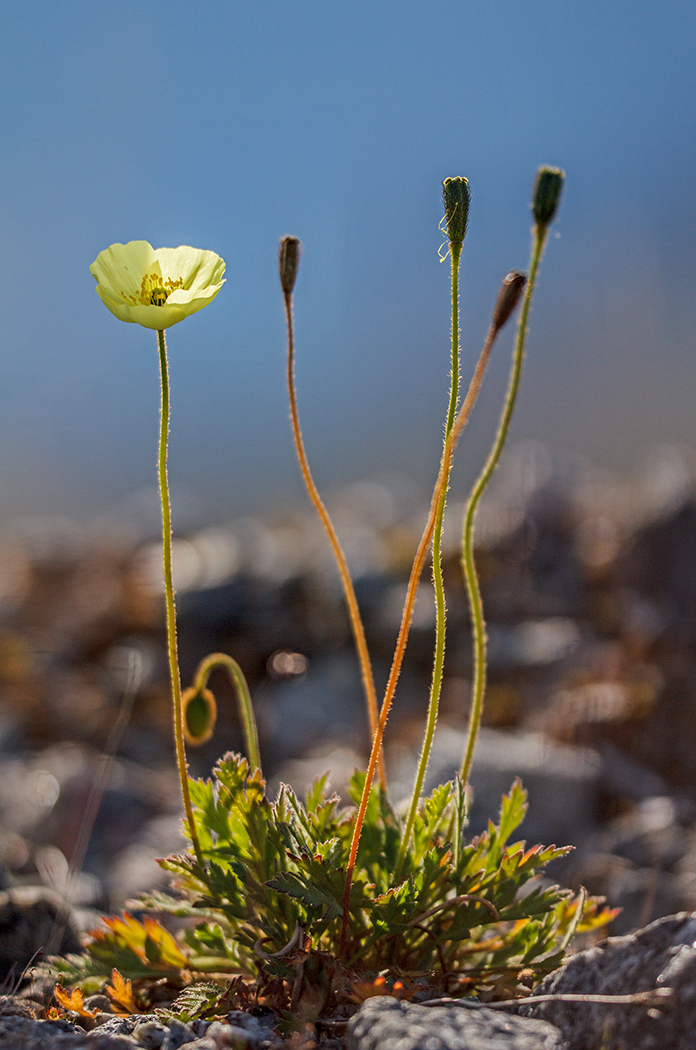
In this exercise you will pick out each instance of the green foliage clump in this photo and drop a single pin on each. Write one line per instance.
(469, 914)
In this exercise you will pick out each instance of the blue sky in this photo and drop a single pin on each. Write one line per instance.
(234, 124)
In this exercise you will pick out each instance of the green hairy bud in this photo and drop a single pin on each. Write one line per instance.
(456, 196)
(547, 194)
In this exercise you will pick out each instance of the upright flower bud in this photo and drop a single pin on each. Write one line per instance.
(288, 263)
(456, 196)
(547, 194)
(508, 297)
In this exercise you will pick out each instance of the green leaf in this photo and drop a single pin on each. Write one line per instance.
(312, 896)
(513, 810)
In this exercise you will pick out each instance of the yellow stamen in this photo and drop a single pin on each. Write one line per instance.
(154, 290)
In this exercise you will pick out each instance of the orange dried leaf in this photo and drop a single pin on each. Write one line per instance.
(74, 1001)
(120, 991)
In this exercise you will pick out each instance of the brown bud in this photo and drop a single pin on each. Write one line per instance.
(288, 263)
(508, 297)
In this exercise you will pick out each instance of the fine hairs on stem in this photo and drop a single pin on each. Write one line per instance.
(545, 201)
(508, 297)
(288, 263)
(174, 675)
(407, 615)
(456, 198)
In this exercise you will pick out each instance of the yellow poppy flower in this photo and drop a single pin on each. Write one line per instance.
(156, 287)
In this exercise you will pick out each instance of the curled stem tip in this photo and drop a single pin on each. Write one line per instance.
(244, 705)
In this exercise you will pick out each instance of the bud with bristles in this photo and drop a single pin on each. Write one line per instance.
(288, 263)
(457, 197)
(547, 194)
(200, 715)
(508, 297)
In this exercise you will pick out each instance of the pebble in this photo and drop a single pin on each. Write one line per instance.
(383, 1023)
(663, 955)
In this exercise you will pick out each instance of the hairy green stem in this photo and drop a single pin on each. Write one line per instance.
(438, 580)
(478, 623)
(407, 614)
(246, 710)
(169, 599)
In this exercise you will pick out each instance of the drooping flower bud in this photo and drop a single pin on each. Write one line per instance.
(508, 297)
(457, 197)
(547, 194)
(288, 263)
(200, 715)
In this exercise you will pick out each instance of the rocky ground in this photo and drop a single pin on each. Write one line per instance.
(636, 991)
(590, 590)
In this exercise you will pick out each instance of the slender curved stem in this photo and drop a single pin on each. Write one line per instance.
(478, 623)
(348, 589)
(246, 710)
(438, 580)
(169, 598)
(407, 614)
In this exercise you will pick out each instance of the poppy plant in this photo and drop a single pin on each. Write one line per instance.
(157, 288)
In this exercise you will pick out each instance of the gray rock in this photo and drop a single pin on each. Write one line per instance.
(178, 1035)
(23, 1032)
(115, 1025)
(224, 1035)
(20, 1033)
(93, 1041)
(150, 1034)
(33, 919)
(99, 1002)
(383, 1023)
(663, 955)
(256, 1029)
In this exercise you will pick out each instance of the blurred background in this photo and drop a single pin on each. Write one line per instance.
(226, 129)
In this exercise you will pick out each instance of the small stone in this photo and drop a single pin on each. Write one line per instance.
(178, 1035)
(662, 955)
(33, 920)
(114, 1025)
(150, 1034)
(383, 1023)
(101, 1003)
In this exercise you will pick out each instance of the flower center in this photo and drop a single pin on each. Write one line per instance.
(154, 290)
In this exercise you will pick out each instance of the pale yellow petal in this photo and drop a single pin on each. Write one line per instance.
(122, 267)
(184, 297)
(198, 268)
